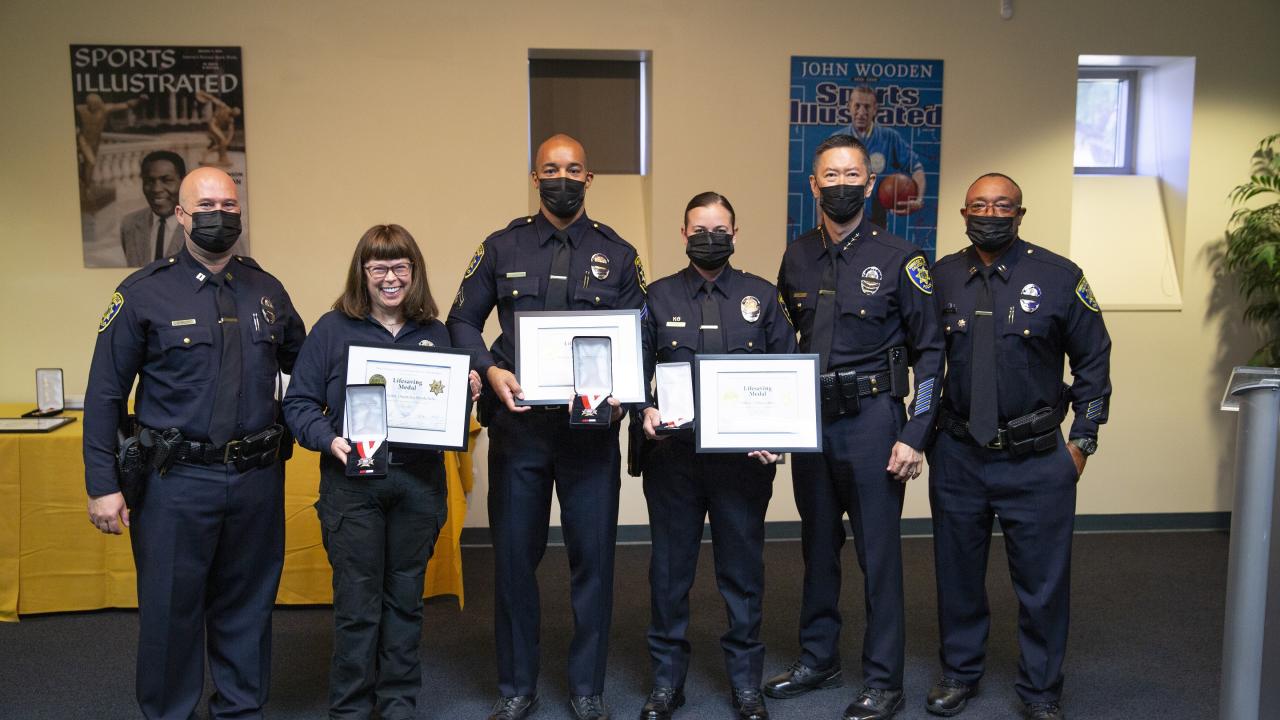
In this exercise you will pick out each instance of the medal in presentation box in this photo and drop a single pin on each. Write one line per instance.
(676, 409)
(592, 381)
(365, 421)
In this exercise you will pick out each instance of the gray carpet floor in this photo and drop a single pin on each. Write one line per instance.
(1146, 641)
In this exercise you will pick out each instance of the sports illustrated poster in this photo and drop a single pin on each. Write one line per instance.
(895, 108)
(144, 117)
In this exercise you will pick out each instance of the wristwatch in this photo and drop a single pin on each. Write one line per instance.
(1088, 446)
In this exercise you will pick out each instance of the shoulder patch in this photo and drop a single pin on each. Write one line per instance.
(1085, 294)
(782, 305)
(117, 302)
(475, 262)
(918, 272)
(644, 286)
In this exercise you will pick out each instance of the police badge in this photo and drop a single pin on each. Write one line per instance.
(600, 266)
(750, 308)
(871, 277)
(268, 310)
(1030, 298)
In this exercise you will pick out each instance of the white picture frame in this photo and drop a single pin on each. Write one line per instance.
(544, 353)
(748, 402)
(428, 392)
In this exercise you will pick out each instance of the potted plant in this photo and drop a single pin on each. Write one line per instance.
(1252, 252)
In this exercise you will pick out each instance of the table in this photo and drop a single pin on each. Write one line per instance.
(53, 560)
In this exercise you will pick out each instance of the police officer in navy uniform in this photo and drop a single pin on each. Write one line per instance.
(861, 299)
(559, 259)
(708, 308)
(206, 334)
(1011, 311)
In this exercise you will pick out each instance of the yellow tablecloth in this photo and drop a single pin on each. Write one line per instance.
(52, 559)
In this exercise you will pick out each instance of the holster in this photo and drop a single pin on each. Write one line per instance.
(133, 463)
(638, 446)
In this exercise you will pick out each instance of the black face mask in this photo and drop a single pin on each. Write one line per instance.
(562, 196)
(215, 231)
(709, 250)
(842, 203)
(990, 233)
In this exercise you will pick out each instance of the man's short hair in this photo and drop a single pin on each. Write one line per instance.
(155, 155)
(1012, 182)
(841, 140)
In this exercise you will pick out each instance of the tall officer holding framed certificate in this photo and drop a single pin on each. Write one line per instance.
(708, 308)
(380, 528)
(862, 300)
(558, 259)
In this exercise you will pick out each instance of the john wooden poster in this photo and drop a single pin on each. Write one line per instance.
(144, 117)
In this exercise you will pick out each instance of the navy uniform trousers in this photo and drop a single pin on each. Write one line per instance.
(1035, 498)
(531, 453)
(379, 533)
(208, 544)
(849, 478)
(682, 488)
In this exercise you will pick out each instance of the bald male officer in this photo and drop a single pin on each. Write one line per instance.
(861, 299)
(1011, 312)
(205, 333)
(559, 259)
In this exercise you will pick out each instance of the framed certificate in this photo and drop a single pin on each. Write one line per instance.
(428, 396)
(33, 424)
(544, 353)
(757, 402)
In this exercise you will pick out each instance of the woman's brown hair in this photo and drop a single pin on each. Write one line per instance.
(387, 242)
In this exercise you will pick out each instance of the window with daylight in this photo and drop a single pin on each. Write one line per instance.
(1105, 120)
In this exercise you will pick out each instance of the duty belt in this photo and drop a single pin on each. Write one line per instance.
(257, 450)
(841, 390)
(1034, 432)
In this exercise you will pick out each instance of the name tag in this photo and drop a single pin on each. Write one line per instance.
(799, 295)
(180, 323)
(515, 275)
(674, 324)
(709, 327)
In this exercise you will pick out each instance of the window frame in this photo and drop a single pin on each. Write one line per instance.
(1131, 76)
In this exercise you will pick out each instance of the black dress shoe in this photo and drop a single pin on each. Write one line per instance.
(874, 704)
(750, 704)
(949, 696)
(516, 707)
(662, 703)
(1045, 711)
(800, 679)
(588, 707)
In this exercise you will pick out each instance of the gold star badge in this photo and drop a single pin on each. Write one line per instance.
(437, 387)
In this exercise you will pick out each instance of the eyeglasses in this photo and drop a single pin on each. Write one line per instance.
(1001, 207)
(378, 272)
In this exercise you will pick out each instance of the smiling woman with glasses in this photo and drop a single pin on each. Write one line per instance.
(379, 532)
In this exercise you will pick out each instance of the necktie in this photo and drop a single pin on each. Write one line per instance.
(159, 239)
(222, 425)
(558, 284)
(983, 420)
(824, 316)
(712, 333)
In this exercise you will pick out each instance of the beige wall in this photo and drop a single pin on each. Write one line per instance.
(414, 112)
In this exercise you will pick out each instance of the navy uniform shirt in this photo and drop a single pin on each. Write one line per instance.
(1043, 309)
(162, 327)
(512, 267)
(751, 318)
(317, 390)
(883, 301)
